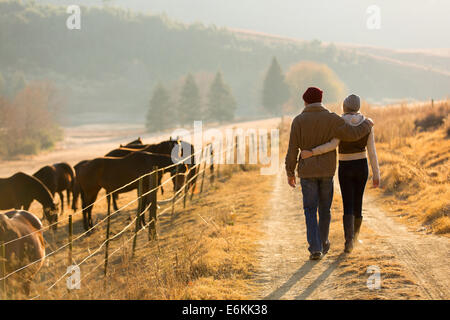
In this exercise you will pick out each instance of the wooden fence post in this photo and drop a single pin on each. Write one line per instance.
(218, 161)
(204, 169)
(108, 224)
(198, 165)
(211, 167)
(236, 150)
(186, 187)
(153, 204)
(70, 240)
(175, 191)
(138, 214)
(3, 269)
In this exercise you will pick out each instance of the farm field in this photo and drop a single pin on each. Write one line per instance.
(251, 244)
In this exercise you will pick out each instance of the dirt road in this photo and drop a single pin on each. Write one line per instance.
(412, 265)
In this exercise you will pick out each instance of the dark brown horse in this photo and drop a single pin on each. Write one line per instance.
(57, 178)
(166, 147)
(76, 190)
(113, 173)
(137, 142)
(19, 190)
(179, 148)
(22, 250)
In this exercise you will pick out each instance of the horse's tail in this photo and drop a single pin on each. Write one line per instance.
(68, 171)
(75, 194)
(76, 189)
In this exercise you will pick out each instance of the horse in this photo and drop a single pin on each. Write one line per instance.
(137, 142)
(164, 147)
(76, 190)
(112, 173)
(22, 249)
(57, 178)
(19, 190)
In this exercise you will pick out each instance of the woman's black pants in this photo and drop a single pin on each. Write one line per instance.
(352, 179)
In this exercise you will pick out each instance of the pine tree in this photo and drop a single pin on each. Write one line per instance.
(275, 91)
(221, 103)
(160, 115)
(189, 108)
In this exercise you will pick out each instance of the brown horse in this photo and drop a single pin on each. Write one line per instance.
(137, 142)
(113, 173)
(177, 147)
(21, 252)
(165, 147)
(19, 190)
(57, 178)
(76, 190)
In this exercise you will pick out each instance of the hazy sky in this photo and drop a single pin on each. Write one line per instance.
(403, 23)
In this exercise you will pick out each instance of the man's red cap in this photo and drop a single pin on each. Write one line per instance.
(312, 95)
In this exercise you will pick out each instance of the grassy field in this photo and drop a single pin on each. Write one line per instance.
(413, 145)
(205, 251)
(209, 249)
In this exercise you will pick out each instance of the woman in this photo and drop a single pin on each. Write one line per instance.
(353, 169)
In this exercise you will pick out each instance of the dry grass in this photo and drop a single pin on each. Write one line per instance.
(205, 252)
(414, 152)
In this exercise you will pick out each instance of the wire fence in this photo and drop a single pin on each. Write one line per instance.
(207, 156)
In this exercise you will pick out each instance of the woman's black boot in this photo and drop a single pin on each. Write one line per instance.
(357, 227)
(349, 223)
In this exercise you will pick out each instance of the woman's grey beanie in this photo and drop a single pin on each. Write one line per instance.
(352, 103)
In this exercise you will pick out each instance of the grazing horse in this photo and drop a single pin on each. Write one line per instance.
(57, 178)
(19, 190)
(165, 147)
(113, 173)
(22, 250)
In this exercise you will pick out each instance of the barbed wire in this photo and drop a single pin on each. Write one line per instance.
(45, 228)
(203, 160)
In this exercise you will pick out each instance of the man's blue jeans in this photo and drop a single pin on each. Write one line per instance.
(317, 194)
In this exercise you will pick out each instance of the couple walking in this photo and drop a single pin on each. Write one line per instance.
(317, 132)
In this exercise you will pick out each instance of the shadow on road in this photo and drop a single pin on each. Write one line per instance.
(299, 274)
(316, 283)
(296, 277)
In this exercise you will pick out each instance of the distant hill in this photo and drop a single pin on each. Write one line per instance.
(113, 62)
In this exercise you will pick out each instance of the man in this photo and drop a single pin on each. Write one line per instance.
(315, 126)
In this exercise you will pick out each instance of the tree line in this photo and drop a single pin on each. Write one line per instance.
(279, 95)
(167, 111)
(115, 47)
